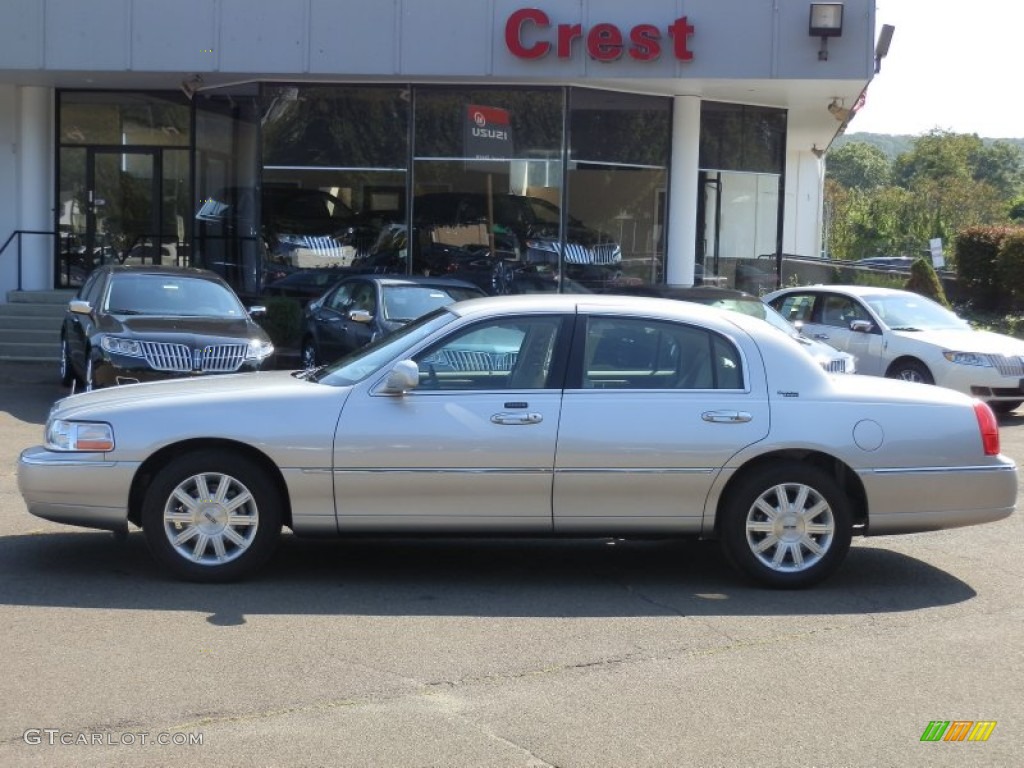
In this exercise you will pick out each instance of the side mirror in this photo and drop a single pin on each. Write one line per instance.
(861, 326)
(361, 316)
(403, 377)
(80, 307)
(257, 310)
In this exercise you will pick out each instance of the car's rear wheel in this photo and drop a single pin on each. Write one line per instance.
(212, 516)
(910, 370)
(67, 373)
(310, 359)
(786, 525)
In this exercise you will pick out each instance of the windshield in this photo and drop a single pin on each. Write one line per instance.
(403, 303)
(171, 296)
(911, 312)
(760, 310)
(355, 367)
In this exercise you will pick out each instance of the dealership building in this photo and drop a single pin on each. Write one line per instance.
(673, 142)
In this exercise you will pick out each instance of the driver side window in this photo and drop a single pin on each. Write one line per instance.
(512, 353)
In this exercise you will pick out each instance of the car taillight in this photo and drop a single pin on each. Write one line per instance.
(988, 427)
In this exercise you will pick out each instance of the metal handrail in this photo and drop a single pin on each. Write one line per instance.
(18, 233)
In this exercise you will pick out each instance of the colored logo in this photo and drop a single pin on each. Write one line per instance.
(958, 730)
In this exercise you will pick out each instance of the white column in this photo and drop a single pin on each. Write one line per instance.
(35, 177)
(682, 210)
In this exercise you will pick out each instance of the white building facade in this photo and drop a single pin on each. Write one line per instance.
(667, 141)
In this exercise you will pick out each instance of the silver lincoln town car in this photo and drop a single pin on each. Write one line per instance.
(537, 415)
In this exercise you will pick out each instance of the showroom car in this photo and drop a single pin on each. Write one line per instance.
(529, 416)
(359, 309)
(466, 232)
(829, 358)
(129, 324)
(903, 335)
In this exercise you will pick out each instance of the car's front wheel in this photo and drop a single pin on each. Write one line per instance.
(910, 370)
(212, 516)
(786, 525)
(67, 373)
(1005, 406)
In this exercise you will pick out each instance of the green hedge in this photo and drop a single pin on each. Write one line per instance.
(977, 254)
(283, 320)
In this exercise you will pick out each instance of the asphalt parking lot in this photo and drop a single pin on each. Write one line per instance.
(478, 654)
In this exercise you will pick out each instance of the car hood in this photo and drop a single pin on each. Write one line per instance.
(967, 341)
(280, 387)
(158, 328)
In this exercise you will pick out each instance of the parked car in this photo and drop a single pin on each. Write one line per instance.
(129, 324)
(359, 309)
(904, 335)
(542, 415)
(829, 358)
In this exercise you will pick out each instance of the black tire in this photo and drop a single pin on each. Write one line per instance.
(67, 372)
(88, 381)
(309, 357)
(1005, 406)
(235, 488)
(910, 370)
(769, 539)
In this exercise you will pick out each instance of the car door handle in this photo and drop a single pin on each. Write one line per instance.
(517, 418)
(726, 417)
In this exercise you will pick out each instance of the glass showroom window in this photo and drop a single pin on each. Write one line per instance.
(742, 155)
(487, 184)
(617, 180)
(227, 236)
(335, 161)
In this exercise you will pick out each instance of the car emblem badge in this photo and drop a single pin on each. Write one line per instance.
(197, 359)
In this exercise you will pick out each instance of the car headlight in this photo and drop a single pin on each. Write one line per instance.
(259, 349)
(118, 346)
(295, 241)
(967, 358)
(89, 436)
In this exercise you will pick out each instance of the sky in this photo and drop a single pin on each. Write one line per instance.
(953, 66)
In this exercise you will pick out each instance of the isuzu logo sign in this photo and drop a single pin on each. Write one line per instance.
(529, 35)
(487, 132)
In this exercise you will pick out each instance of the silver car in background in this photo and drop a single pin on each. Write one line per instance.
(539, 415)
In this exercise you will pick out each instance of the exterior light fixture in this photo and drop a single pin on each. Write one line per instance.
(826, 21)
(882, 46)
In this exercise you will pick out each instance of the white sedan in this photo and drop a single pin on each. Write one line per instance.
(542, 415)
(904, 335)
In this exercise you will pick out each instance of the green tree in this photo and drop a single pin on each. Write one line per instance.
(858, 165)
(1000, 165)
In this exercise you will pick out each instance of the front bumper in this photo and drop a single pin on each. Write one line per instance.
(76, 488)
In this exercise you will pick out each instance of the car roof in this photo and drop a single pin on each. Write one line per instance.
(849, 290)
(585, 302)
(413, 280)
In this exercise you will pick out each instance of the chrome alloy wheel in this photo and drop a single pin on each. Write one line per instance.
(211, 519)
(790, 527)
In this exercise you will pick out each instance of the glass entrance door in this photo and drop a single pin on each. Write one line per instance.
(122, 215)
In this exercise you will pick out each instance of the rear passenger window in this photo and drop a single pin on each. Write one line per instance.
(628, 353)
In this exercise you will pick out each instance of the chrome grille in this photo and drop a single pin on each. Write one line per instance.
(179, 358)
(162, 356)
(575, 253)
(835, 366)
(1006, 365)
(222, 358)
